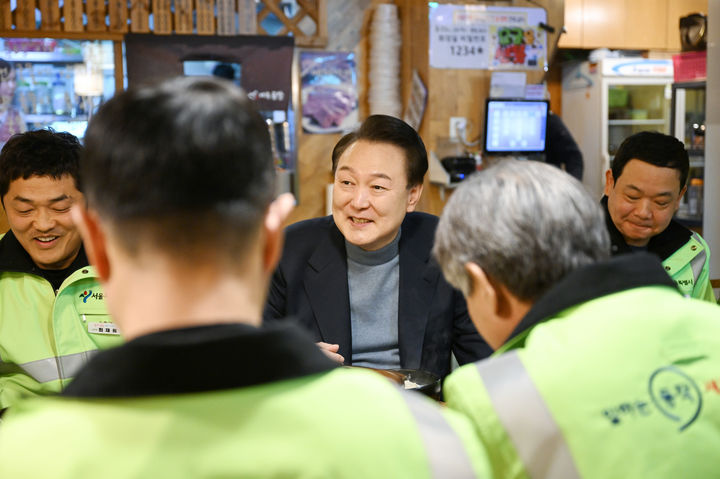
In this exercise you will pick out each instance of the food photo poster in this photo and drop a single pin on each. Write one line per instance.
(329, 92)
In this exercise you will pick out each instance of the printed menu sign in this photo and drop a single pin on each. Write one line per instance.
(482, 37)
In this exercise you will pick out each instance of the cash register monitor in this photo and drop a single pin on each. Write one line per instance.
(515, 126)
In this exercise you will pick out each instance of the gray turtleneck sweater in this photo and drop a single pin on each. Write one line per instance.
(373, 282)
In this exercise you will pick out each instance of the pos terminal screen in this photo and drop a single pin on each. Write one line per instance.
(515, 126)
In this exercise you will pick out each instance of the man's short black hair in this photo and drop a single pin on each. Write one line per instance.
(655, 148)
(183, 165)
(39, 153)
(391, 130)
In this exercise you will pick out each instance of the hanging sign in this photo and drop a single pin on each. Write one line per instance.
(482, 37)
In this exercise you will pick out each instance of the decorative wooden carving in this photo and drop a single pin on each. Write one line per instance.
(73, 16)
(95, 10)
(49, 15)
(118, 13)
(162, 17)
(140, 16)
(307, 23)
(184, 16)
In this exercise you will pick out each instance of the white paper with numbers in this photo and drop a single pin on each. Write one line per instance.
(482, 37)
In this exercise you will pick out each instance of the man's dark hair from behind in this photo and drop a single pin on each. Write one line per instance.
(39, 153)
(185, 165)
(655, 148)
(388, 129)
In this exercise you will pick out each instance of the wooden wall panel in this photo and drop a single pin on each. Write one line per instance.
(49, 15)
(95, 10)
(73, 16)
(25, 15)
(118, 14)
(205, 17)
(183, 16)
(226, 23)
(573, 24)
(140, 16)
(3, 222)
(162, 17)
(5, 15)
(651, 32)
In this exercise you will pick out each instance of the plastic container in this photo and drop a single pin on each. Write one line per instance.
(690, 66)
(43, 102)
(59, 96)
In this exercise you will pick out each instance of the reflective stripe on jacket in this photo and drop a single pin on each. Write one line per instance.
(44, 338)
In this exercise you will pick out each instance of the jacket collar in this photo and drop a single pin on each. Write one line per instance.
(663, 244)
(200, 359)
(14, 258)
(615, 275)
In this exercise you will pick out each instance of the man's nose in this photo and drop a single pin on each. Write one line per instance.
(360, 198)
(643, 209)
(44, 220)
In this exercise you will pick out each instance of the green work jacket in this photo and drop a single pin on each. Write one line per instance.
(610, 374)
(689, 266)
(246, 403)
(45, 337)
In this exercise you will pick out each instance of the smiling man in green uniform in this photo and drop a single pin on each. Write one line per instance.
(643, 189)
(52, 310)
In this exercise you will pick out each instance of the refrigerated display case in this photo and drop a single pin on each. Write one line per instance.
(605, 102)
(47, 90)
(688, 126)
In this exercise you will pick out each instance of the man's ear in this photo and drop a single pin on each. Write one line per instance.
(414, 197)
(481, 289)
(93, 235)
(277, 213)
(609, 182)
(497, 297)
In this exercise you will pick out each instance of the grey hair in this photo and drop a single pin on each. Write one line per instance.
(526, 224)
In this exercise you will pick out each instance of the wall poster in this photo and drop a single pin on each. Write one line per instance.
(329, 91)
(486, 37)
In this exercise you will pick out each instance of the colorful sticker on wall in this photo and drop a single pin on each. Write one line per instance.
(485, 37)
(329, 92)
(517, 47)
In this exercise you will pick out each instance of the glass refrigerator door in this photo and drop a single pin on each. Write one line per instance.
(688, 126)
(633, 108)
(54, 83)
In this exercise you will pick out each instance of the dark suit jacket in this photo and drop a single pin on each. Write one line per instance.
(310, 286)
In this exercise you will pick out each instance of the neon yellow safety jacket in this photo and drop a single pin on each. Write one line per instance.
(610, 374)
(232, 400)
(46, 337)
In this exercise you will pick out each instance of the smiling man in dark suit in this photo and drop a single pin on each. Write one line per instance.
(362, 281)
